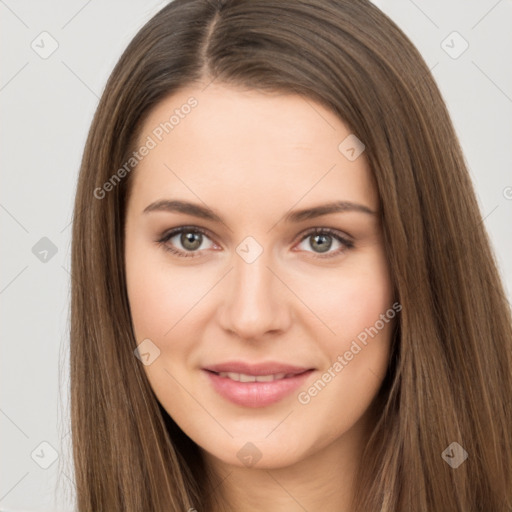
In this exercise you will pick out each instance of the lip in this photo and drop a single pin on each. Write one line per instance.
(256, 394)
(266, 368)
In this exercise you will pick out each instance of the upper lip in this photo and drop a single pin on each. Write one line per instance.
(266, 368)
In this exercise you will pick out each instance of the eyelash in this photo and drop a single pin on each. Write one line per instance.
(347, 244)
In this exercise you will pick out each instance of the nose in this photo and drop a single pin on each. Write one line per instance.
(255, 301)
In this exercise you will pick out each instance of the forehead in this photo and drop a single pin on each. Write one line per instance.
(268, 145)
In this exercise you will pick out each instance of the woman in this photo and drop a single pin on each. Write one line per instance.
(283, 294)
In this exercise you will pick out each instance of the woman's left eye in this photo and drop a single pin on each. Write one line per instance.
(321, 240)
(192, 241)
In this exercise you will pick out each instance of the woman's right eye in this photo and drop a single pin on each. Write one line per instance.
(185, 241)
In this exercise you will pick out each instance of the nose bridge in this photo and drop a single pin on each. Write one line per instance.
(252, 306)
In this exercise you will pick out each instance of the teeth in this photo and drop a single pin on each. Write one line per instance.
(242, 377)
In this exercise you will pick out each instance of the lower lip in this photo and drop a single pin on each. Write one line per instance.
(256, 394)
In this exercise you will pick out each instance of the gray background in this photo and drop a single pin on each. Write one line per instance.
(47, 105)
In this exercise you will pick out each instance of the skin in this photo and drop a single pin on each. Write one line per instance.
(253, 157)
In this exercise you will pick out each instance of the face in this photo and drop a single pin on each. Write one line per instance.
(257, 280)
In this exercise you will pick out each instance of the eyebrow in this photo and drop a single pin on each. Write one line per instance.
(203, 212)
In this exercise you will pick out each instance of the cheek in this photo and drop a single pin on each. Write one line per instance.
(161, 296)
(349, 300)
(358, 308)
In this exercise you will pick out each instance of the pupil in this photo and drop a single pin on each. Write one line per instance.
(323, 242)
(191, 241)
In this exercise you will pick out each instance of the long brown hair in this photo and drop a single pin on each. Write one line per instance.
(450, 373)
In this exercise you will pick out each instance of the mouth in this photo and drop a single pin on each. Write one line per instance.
(244, 377)
(255, 385)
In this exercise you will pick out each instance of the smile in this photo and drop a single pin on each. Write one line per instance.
(254, 391)
(243, 377)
